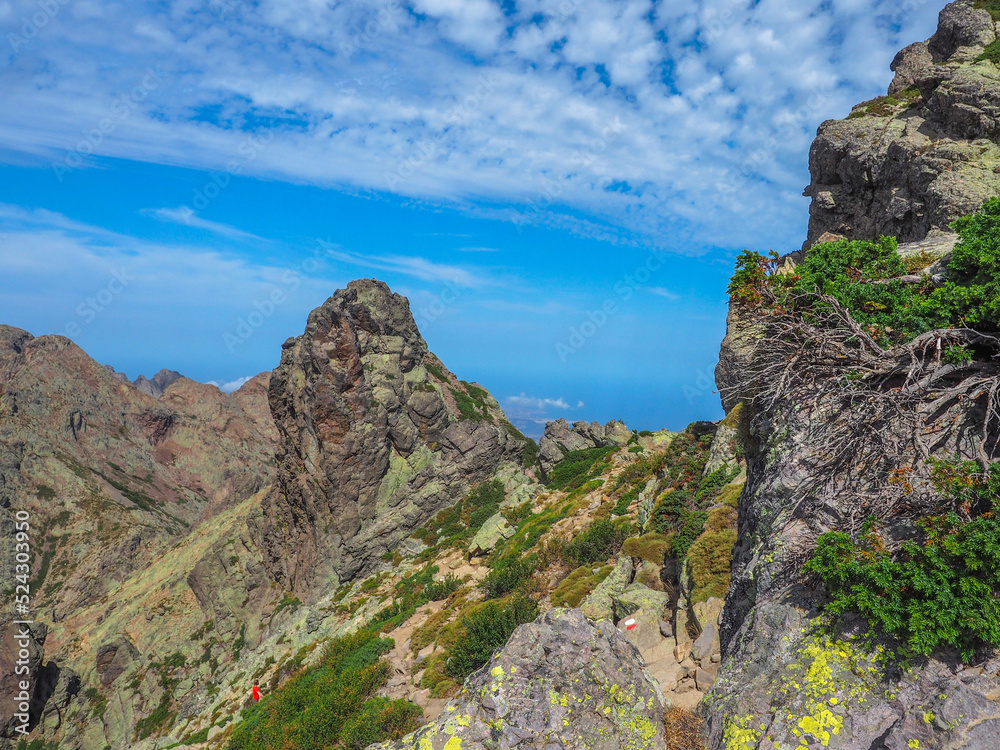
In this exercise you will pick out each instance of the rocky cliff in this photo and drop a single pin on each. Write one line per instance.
(377, 436)
(109, 478)
(833, 439)
(907, 164)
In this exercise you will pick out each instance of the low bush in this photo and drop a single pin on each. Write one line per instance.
(507, 575)
(378, 719)
(942, 592)
(603, 539)
(438, 590)
(891, 310)
(484, 631)
(692, 523)
(577, 468)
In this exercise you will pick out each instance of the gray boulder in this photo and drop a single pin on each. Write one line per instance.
(915, 162)
(560, 682)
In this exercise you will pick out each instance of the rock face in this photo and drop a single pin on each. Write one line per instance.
(785, 681)
(908, 165)
(560, 437)
(110, 474)
(377, 437)
(111, 479)
(561, 681)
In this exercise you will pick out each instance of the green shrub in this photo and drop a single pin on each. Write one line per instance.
(669, 511)
(379, 719)
(484, 631)
(507, 575)
(692, 523)
(330, 704)
(438, 590)
(892, 311)
(603, 539)
(577, 468)
(943, 592)
(957, 355)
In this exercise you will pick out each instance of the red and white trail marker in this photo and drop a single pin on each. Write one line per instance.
(630, 624)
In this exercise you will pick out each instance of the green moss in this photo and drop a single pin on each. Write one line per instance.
(651, 547)
(709, 560)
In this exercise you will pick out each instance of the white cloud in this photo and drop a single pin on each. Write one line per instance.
(665, 293)
(187, 217)
(536, 404)
(478, 250)
(233, 385)
(456, 101)
(419, 268)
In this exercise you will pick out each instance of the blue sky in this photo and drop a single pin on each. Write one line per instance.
(559, 187)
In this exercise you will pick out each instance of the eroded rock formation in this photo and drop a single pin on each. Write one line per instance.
(909, 164)
(377, 437)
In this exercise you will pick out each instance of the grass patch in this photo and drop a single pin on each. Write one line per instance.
(575, 587)
(709, 559)
(651, 547)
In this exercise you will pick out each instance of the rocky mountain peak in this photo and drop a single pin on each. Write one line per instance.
(909, 163)
(377, 436)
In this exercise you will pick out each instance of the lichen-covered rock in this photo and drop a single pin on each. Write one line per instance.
(377, 437)
(560, 437)
(646, 609)
(560, 682)
(600, 603)
(491, 532)
(912, 163)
